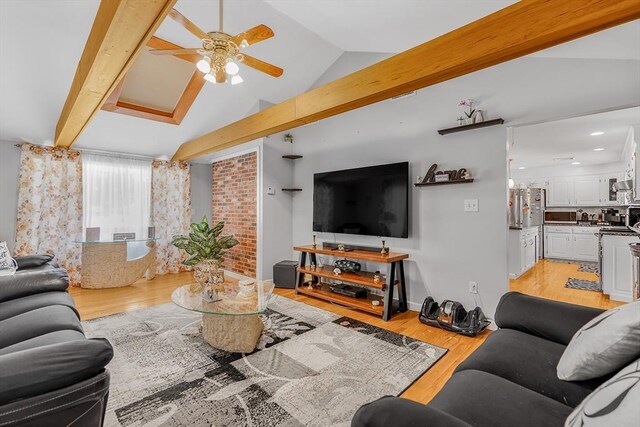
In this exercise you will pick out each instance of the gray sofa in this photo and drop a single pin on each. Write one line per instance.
(510, 380)
(50, 373)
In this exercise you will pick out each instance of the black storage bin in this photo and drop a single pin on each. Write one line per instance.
(284, 274)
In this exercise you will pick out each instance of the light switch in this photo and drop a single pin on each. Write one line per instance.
(271, 191)
(471, 205)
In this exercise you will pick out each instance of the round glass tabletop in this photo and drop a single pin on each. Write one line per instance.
(233, 301)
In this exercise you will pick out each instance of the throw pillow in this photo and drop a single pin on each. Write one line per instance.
(602, 346)
(614, 403)
(6, 261)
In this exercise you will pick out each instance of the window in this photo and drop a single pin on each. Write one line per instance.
(116, 194)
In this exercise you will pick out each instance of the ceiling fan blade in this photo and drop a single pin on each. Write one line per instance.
(221, 76)
(174, 51)
(190, 26)
(265, 67)
(254, 35)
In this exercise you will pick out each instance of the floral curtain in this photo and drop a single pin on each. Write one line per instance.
(170, 212)
(50, 205)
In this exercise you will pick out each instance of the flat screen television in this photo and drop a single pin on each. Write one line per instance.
(372, 201)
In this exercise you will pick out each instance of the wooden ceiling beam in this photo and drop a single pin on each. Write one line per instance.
(517, 30)
(120, 31)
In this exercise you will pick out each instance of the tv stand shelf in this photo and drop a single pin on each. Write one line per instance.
(319, 289)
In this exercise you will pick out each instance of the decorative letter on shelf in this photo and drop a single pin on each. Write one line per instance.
(436, 177)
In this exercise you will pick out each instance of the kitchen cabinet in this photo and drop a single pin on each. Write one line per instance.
(586, 190)
(558, 245)
(609, 197)
(617, 267)
(522, 251)
(560, 191)
(571, 243)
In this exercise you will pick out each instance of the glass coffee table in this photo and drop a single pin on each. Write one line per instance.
(233, 323)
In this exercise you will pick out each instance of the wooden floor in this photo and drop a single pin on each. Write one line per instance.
(546, 279)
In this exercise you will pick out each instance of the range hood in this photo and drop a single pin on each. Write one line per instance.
(623, 185)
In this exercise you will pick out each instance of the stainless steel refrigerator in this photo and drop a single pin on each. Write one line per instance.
(526, 207)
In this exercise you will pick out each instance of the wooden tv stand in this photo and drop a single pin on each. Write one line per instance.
(319, 289)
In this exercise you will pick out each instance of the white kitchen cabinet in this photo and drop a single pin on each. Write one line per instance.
(586, 190)
(522, 251)
(561, 191)
(609, 197)
(585, 247)
(617, 266)
(558, 245)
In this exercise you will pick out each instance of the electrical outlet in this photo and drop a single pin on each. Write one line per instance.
(473, 287)
(471, 205)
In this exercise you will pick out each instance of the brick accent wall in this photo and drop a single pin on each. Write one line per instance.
(235, 202)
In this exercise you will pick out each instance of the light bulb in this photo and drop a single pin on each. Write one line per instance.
(236, 79)
(231, 67)
(210, 78)
(204, 65)
(244, 43)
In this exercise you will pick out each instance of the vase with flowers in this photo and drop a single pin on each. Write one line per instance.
(206, 249)
(468, 103)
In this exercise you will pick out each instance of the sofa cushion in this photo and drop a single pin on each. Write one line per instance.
(55, 337)
(529, 361)
(22, 305)
(614, 403)
(37, 322)
(34, 371)
(32, 282)
(31, 261)
(485, 400)
(604, 345)
(398, 412)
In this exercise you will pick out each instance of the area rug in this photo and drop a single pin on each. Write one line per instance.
(312, 367)
(586, 285)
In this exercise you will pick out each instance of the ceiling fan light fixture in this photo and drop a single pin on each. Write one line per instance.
(204, 65)
(235, 80)
(244, 43)
(231, 67)
(210, 78)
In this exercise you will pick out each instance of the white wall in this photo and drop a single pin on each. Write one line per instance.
(448, 247)
(565, 170)
(9, 180)
(201, 186)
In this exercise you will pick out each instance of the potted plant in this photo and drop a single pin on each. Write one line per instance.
(468, 103)
(206, 249)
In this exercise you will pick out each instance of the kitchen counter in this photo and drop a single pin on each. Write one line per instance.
(575, 224)
(612, 231)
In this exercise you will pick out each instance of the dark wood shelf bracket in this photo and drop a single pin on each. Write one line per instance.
(457, 181)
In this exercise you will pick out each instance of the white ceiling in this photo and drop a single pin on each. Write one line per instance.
(538, 145)
(42, 41)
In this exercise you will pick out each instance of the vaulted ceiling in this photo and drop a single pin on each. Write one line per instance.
(41, 42)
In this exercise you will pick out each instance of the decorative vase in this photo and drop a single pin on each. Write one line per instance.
(246, 288)
(478, 117)
(210, 278)
(469, 120)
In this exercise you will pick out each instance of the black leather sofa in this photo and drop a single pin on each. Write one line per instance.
(510, 380)
(50, 373)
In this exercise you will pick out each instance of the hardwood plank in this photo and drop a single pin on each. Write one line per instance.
(517, 30)
(120, 31)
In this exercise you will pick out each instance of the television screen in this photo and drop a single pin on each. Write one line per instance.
(371, 201)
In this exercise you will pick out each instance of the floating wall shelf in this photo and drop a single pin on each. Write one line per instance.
(463, 128)
(292, 190)
(458, 181)
(291, 156)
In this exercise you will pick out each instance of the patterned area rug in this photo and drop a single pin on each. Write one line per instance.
(586, 285)
(312, 367)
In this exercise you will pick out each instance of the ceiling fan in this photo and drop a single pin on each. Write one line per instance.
(221, 52)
